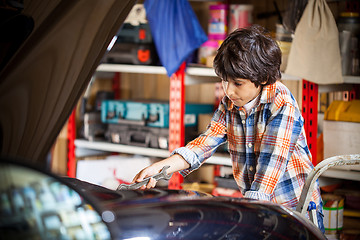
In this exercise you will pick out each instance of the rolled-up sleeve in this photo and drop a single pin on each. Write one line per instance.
(204, 146)
(257, 195)
(190, 157)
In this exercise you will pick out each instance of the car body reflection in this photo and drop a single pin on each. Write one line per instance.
(35, 205)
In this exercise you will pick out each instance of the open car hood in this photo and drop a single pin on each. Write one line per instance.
(49, 51)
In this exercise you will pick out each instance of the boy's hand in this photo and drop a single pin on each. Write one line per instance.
(145, 173)
(175, 162)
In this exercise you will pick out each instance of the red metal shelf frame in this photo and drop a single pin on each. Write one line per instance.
(176, 118)
(71, 135)
(310, 114)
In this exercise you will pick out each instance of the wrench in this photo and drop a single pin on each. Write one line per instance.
(161, 175)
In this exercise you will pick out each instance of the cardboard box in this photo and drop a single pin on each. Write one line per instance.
(112, 171)
(341, 138)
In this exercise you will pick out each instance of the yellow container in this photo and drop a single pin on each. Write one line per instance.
(347, 111)
(200, 187)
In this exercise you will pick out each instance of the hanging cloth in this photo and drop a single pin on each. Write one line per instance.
(175, 29)
(315, 52)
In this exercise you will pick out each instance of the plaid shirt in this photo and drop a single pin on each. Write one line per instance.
(270, 156)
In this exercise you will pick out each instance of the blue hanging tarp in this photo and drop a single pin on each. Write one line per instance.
(175, 30)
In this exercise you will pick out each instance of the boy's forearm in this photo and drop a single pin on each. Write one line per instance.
(176, 163)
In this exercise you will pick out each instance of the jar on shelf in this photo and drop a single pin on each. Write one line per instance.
(207, 52)
(349, 34)
(284, 40)
(218, 25)
(240, 16)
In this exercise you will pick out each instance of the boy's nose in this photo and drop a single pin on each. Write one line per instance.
(229, 90)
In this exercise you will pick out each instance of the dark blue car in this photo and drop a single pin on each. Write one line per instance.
(38, 205)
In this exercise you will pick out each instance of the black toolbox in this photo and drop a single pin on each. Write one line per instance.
(143, 136)
(133, 53)
(134, 45)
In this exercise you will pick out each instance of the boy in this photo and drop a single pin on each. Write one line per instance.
(260, 120)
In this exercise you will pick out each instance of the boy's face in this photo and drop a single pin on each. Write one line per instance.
(240, 91)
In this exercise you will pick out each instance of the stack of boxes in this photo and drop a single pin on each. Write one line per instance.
(342, 129)
(341, 137)
(134, 43)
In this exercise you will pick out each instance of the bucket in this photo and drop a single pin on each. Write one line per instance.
(333, 210)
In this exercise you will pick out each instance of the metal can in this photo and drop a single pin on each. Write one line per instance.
(333, 211)
(240, 16)
(349, 35)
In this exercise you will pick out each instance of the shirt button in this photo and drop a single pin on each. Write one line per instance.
(251, 168)
(243, 121)
(250, 145)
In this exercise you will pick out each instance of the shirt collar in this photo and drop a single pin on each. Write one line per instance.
(267, 95)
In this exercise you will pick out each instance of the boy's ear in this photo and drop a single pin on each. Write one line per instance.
(263, 83)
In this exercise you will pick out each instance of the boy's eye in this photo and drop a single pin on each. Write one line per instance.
(237, 84)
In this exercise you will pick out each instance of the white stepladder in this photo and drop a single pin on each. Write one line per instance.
(302, 207)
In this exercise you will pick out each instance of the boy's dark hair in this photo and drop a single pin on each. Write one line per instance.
(249, 53)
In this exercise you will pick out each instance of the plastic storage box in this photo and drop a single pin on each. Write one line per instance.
(348, 111)
(151, 114)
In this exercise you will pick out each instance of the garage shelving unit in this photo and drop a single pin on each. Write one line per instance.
(198, 75)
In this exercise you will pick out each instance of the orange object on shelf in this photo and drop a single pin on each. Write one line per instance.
(227, 192)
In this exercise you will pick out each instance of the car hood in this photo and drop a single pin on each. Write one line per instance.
(49, 51)
(179, 214)
(33, 198)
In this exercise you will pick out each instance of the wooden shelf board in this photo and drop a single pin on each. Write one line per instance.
(220, 159)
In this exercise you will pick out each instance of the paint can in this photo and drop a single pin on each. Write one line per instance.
(333, 210)
(218, 25)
